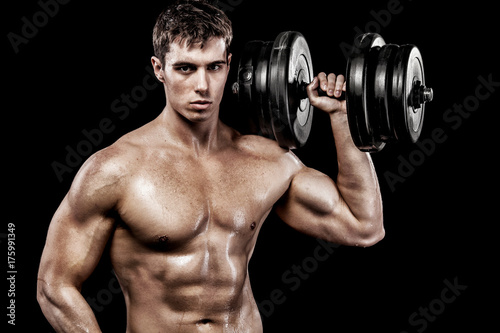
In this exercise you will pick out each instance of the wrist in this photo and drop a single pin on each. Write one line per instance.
(337, 116)
(340, 123)
(341, 131)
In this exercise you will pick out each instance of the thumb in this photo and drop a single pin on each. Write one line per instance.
(312, 90)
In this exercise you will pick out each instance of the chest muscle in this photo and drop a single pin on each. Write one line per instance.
(175, 204)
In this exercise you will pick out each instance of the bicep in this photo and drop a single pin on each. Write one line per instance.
(313, 205)
(74, 245)
(80, 228)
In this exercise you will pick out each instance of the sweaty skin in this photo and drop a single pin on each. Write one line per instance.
(181, 202)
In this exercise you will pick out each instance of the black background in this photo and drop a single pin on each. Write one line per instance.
(441, 221)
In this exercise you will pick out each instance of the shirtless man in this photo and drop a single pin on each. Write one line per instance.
(181, 200)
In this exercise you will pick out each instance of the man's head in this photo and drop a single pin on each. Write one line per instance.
(190, 22)
(191, 42)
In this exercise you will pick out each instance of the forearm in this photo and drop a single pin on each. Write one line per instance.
(356, 180)
(66, 309)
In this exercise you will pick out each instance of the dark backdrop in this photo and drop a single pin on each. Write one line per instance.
(68, 73)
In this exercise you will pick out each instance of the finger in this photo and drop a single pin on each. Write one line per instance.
(313, 94)
(339, 85)
(331, 84)
(323, 81)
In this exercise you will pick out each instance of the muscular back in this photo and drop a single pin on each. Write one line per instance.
(183, 226)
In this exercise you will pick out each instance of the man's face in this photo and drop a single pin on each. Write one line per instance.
(195, 77)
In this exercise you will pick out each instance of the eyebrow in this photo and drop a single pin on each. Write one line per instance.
(190, 64)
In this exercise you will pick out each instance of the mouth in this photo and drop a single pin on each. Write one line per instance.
(201, 104)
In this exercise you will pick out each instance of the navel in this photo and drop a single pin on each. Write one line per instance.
(253, 225)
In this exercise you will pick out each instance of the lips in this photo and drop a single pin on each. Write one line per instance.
(201, 104)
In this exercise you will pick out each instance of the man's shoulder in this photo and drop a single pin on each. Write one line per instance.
(112, 163)
(259, 145)
(106, 174)
(267, 149)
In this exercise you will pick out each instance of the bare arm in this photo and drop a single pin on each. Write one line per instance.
(76, 239)
(346, 212)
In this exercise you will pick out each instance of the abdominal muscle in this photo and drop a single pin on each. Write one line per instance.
(199, 287)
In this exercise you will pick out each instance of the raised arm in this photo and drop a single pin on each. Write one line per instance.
(348, 211)
(76, 239)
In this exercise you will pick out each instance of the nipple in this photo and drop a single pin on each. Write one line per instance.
(163, 239)
(162, 242)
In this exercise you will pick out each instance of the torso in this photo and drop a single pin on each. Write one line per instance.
(186, 229)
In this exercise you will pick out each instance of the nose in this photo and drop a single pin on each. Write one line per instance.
(202, 82)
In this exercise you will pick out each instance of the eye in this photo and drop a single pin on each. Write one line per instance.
(214, 68)
(184, 69)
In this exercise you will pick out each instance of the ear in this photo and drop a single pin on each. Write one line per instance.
(229, 61)
(157, 67)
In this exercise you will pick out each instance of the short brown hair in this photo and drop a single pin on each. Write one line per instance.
(192, 22)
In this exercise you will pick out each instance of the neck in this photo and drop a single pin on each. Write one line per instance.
(201, 137)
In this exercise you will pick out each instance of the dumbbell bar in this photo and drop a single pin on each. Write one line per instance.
(386, 91)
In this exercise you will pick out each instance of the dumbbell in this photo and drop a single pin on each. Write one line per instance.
(385, 98)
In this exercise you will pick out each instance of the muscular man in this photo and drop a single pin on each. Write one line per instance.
(181, 200)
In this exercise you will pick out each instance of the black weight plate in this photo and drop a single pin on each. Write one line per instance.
(291, 116)
(408, 69)
(260, 83)
(246, 94)
(358, 90)
(252, 83)
(382, 88)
